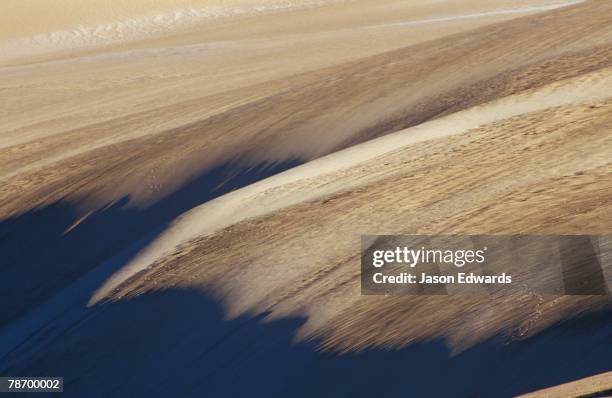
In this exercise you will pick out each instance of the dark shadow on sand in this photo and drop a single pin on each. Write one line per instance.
(38, 257)
(178, 343)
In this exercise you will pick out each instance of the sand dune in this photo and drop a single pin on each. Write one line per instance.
(109, 23)
(256, 200)
(190, 193)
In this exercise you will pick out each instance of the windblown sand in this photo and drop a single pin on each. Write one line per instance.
(352, 117)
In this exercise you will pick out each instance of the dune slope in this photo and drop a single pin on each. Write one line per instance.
(206, 225)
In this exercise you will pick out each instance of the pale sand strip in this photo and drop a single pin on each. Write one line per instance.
(582, 387)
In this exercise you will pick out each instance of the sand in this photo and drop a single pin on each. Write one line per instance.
(178, 181)
(256, 200)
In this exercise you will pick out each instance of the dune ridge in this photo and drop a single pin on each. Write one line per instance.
(256, 200)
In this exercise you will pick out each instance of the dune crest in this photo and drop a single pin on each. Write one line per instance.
(270, 195)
